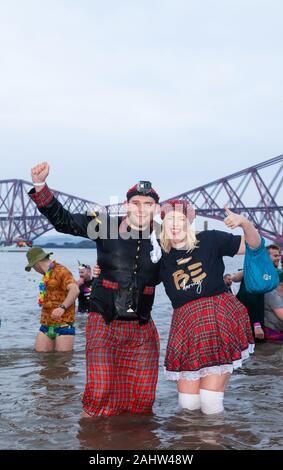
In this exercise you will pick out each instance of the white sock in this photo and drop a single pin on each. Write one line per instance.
(211, 402)
(189, 401)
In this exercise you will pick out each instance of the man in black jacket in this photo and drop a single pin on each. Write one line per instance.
(122, 343)
(85, 284)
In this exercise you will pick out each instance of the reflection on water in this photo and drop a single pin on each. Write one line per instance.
(41, 393)
(120, 432)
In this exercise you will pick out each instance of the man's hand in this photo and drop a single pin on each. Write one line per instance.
(57, 313)
(40, 172)
(233, 220)
(237, 277)
(259, 333)
(96, 271)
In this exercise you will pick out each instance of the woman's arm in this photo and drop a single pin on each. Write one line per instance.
(251, 235)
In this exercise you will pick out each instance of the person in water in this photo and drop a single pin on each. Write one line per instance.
(58, 291)
(228, 279)
(273, 313)
(122, 343)
(210, 333)
(254, 303)
(85, 285)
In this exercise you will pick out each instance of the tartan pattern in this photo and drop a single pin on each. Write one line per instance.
(180, 205)
(43, 197)
(272, 335)
(148, 290)
(121, 366)
(110, 284)
(134, 191)
(210, 331)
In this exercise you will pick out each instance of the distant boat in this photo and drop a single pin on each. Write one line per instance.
(19, 247)
(13, 249)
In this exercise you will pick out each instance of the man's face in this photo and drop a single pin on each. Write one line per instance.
(39, 267)
(275, 256)
(228, 280)
(84, 274)
(141, 211)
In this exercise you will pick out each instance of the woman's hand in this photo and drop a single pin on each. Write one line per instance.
(234, 220)
(251, 234)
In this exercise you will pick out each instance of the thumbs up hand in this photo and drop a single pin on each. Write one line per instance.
(233, 220)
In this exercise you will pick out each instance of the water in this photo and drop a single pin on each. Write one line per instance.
(41, 393)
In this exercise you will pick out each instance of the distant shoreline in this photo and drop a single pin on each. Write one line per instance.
(83, 245)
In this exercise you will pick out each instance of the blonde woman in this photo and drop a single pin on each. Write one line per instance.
(210, 333)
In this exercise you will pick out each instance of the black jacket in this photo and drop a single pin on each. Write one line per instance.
(254, 303)
(84, 296)
(123, 261)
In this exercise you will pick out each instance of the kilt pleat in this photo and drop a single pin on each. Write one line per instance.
(121, 366)
(211, 335)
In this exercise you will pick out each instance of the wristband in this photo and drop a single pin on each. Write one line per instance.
(257, 325)
(39, 184)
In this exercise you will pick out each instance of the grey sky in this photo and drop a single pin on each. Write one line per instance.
(179, 92)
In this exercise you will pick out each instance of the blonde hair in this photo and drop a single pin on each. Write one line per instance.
(191, 240)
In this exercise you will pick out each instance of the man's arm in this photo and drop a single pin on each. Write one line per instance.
(237, 277)
(61, 219)
(73, 293)
(279, 312)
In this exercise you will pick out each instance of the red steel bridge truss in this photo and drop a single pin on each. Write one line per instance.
(256, 191)
(19, 217)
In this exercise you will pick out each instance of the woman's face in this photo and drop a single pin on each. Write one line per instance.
(176, 227)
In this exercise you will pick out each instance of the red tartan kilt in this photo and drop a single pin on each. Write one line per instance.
(208, 332)
(121, 365)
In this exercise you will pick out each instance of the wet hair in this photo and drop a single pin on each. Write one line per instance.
(273, 247)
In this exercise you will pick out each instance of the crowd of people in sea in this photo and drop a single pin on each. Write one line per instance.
(213, 327)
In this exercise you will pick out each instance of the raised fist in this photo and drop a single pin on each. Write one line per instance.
(40, 172)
